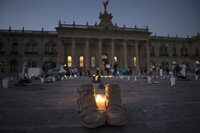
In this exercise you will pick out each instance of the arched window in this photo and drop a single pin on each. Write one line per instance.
(182, 52)
(13, 66)
(47, 48)
(15, 48)
(115, 59)
(165, 51)
(69, 61)
(93, 61)
(161, 51)
(50, 48)
(31, 48)
(28, 48)
(35, 48)
(81, 60)
(174, 52)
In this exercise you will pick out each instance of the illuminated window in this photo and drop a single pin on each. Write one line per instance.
(104, 57)
(134, 61)
(69, 63)
(92, 61)
(81, 59)
(115, 59)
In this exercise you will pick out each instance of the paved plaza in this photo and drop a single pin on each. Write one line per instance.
(52, 107)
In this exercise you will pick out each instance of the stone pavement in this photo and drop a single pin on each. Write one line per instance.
(52, 107)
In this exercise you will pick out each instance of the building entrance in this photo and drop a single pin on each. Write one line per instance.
(104, 62)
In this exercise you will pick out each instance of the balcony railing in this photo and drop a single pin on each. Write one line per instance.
(29, 31)
(97, 27)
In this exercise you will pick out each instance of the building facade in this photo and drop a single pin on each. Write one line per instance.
(93, 47)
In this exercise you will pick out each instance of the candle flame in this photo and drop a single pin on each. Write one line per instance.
(99, 98)
(96, 78)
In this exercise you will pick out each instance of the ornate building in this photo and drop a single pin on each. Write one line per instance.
(95, 46)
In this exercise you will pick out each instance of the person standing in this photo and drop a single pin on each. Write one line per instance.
(183, 70)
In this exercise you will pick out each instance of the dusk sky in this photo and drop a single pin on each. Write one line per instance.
(163, 17)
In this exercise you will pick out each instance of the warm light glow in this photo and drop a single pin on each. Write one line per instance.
(100, 101)
(104, 57)
(99, 98)
(115, 59)
(69, 61)
(81, 61)
(96, 78)
(134, 61)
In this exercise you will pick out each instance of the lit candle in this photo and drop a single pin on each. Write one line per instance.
(96, 78)
(100, 101)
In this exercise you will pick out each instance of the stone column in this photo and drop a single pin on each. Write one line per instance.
(87, 65)
(73, 52)
(125, 54)
(112, 52)
(137, 57)
(100, 54)
(60, 52)
(148, 55)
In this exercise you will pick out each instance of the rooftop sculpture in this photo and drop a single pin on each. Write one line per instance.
(105, 4)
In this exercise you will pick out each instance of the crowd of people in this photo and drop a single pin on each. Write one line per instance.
(180, 70)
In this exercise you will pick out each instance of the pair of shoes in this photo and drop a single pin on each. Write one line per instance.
(88, 112)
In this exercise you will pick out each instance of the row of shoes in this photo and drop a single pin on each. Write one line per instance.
(89, 114)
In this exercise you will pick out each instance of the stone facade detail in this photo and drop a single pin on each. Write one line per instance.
(99, 45)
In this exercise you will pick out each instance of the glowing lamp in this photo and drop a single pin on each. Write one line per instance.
(96, 78)
(101, 101)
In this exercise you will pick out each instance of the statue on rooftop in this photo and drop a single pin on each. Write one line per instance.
(105, 4)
